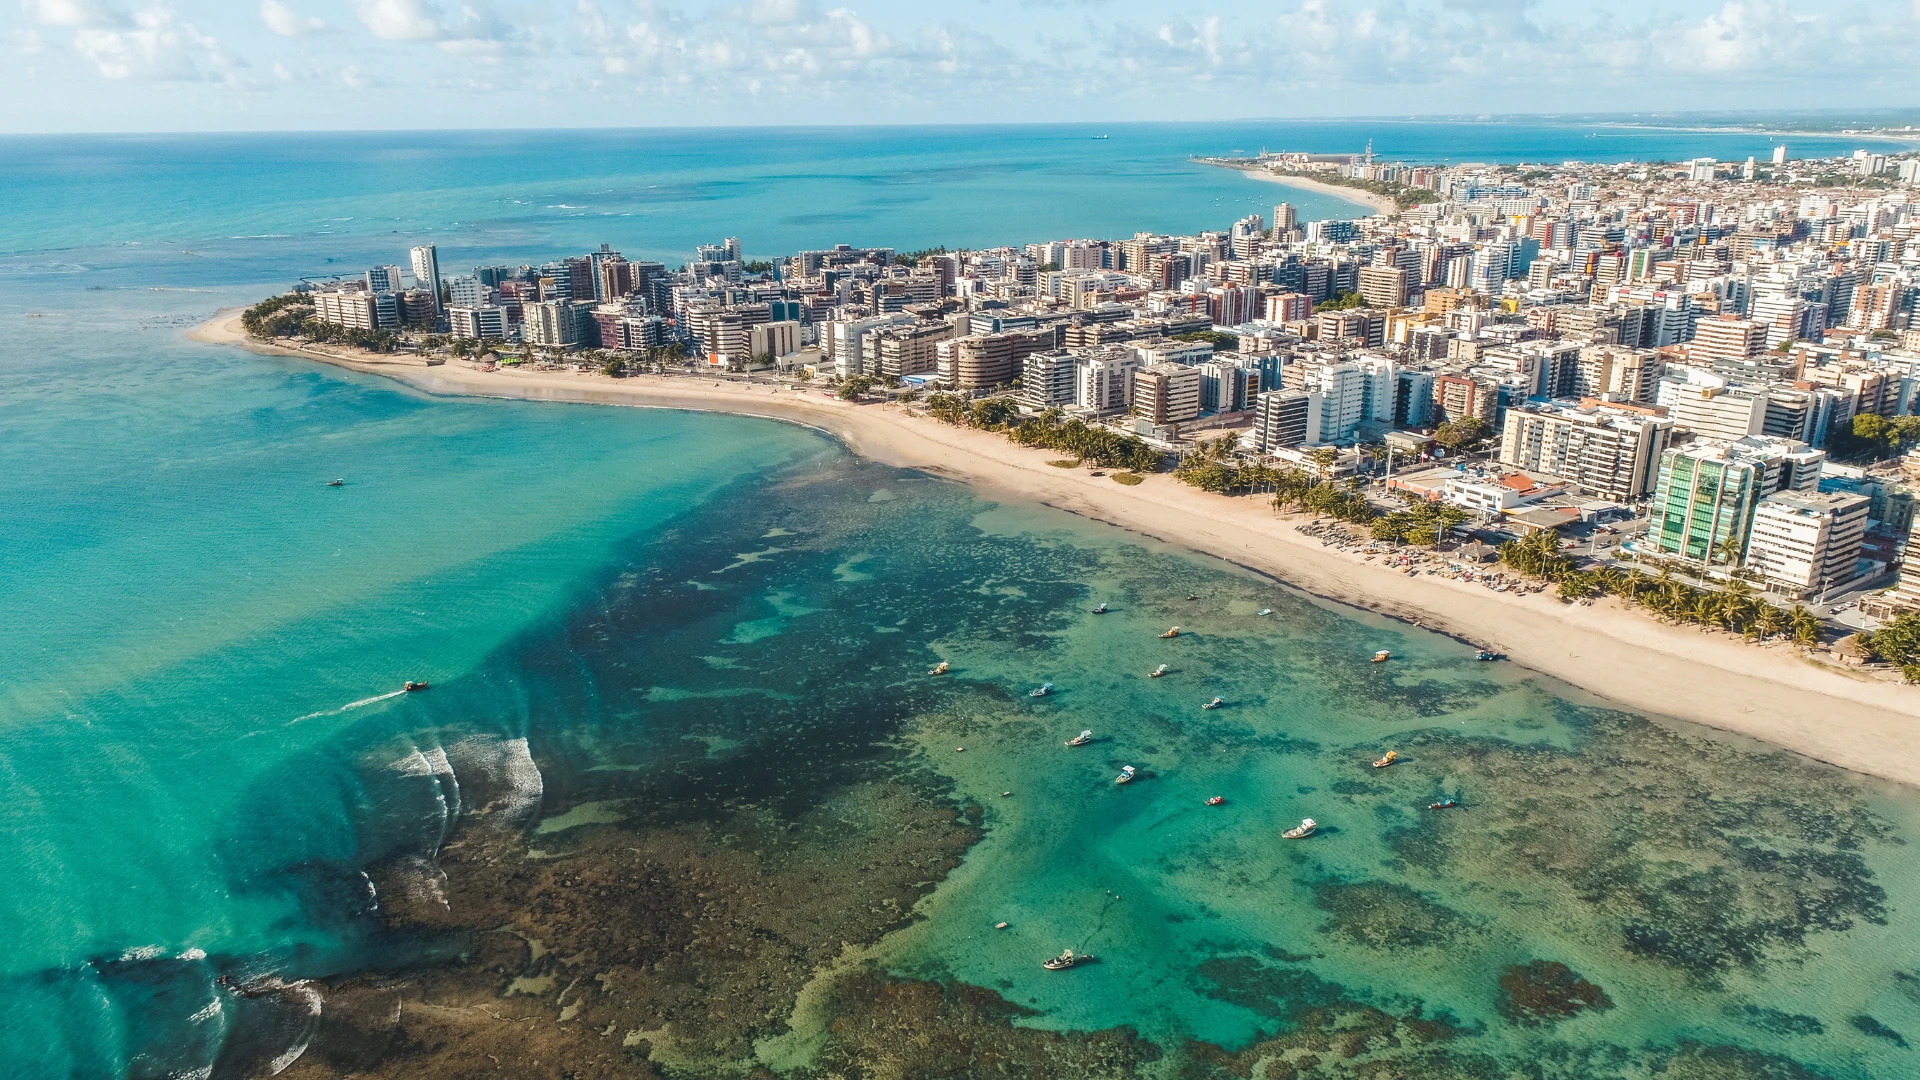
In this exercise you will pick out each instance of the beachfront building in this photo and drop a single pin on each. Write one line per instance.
(846, 341)
(1047, 380)
(485, 322)
(1805, 541)
(896, 352)
(1703, 504)
(1613, 452)
(1167, 393)
(357, 309)
(1104, 383)
(1226, 385)
(1284, 420)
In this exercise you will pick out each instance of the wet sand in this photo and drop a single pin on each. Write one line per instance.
(1775, 693)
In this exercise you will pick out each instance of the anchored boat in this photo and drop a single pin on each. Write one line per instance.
(1305, 829)
(1264, 611)
(1216, 800)
(1215, 703)
(1043, 691)
(1065, 960)
(336, 482)
(1157, 672)
(1081, 739)
(1444, 804)
(1173, 632)
(1126, 775)
(1382, 656)
(1102, 609)
(938, 669)
(1391, 757)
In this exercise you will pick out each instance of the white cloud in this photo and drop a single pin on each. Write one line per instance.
(64, 12)
(156, 47)
(286, 22)
(29, 42)
(400, 20)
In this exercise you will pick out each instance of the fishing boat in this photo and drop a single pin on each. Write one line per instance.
(1042, 691)
(1485, 655)
(1382, 656)
(938, 669)
(1444, 804)
(1264, 611)
(1216, 800)
(1304, 830)
(1391, 757)
(1126, 775)
(1081, 739)
(1065, 960)
(1157, 672)
(1215, 703)
(1173, 632)
(1102, 609)
(336, 482)
(411, 686)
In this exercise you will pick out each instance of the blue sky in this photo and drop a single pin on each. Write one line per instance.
(171, 65)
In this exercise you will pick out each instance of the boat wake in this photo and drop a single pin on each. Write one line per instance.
(348, 706)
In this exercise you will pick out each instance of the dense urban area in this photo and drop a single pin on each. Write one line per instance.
(1691, 385)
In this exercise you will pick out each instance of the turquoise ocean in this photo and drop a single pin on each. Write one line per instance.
(203, 752)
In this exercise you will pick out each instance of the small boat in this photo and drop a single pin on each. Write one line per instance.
(1264, 611)
(1382, 656)
(1065, 960)
(1126, 775)
(999, 926)
(1215, 703)
(410, 687)
(1216, 800)
(1157, 672)
(938, 669)
(1005, 794)
(1305, 829)
(336, 482)
(1191, 596)
(1174, 632)
(1102, 609)
(1444, 804)
(1043, 690)
(1392, 756)
(1485, 655)
(1081, 739)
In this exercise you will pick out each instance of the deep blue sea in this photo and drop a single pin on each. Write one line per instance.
(204, 763)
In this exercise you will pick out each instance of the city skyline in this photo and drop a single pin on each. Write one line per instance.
(108, 65)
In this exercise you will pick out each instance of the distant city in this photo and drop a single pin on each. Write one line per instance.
(1687, 348)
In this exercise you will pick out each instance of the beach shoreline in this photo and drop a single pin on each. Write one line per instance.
(1380, 204)
(1771, 693)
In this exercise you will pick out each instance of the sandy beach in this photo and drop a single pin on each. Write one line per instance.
(1380, 203)
(1853, 720)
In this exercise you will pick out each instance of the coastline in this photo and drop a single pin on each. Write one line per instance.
(1770, 693)
(1380, 203)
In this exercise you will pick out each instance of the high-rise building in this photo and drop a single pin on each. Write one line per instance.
(1227, 386)
(1715, 412)
(1104, 384)
(482, 321)
(1704, 502)
(1383, 286)
(1727, 337)
(426, 269)
(1780, 154)
(1804, 541)
(385, 279)
(1284, 420)
(357, 309)
(1167, 393)
(1047, 378)
(1285, 220)
(465, 291)
(1615, 453)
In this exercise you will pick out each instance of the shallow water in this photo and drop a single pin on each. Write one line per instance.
(705, 638)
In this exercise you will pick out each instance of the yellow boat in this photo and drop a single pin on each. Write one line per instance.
(1392, 756)
(1174, 632)
(1382, 656)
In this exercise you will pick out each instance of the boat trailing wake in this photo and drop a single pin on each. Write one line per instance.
(349, 705)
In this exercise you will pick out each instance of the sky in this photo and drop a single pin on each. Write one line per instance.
(239, 65)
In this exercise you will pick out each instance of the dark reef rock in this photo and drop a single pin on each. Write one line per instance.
(1545, 992)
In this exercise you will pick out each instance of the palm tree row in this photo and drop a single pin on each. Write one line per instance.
(1736, 607)
(1099, 445)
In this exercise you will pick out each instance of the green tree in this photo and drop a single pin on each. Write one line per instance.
(1462, 435)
